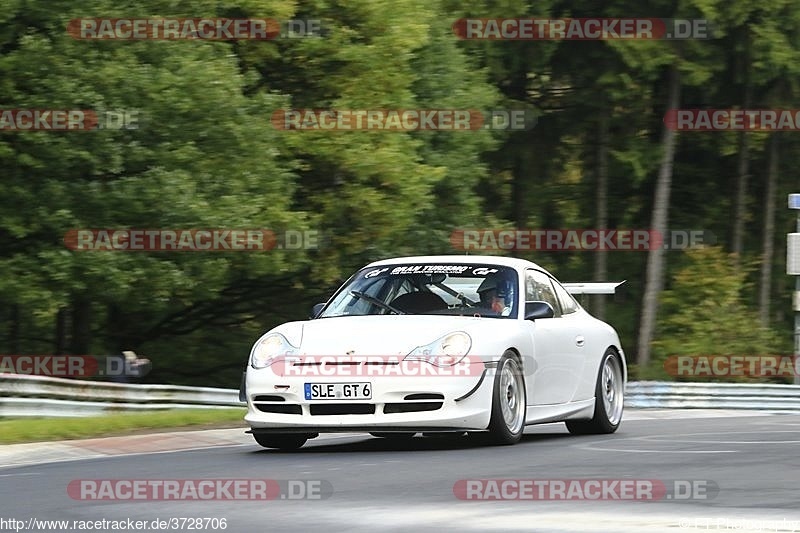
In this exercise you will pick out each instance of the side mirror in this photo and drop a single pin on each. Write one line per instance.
(534, 310)
(316, 310)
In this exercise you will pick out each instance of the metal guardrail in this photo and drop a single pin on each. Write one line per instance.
(37, 396)
(672, 395)
(23, 395)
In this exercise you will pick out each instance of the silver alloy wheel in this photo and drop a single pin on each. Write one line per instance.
(512, 396)
(611, 388)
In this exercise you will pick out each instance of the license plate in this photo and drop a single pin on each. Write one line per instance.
(338, 391)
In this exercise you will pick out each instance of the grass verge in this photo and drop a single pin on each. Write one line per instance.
(19, 430)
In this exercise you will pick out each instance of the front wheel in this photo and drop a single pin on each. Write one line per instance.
(282, 441)
(608, 401)
(509, 400)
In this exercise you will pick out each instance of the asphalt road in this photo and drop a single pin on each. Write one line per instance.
(370, 484)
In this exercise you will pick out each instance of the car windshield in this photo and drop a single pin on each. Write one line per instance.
(428, 289)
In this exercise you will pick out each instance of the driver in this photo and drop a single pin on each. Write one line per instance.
(495, 293)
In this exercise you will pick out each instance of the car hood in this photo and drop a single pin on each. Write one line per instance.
(384, 335)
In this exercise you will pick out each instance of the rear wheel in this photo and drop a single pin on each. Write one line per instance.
(281, 441)
(509, 400)
(608, 402)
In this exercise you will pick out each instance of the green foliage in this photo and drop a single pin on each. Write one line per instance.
(206, 155)
(704, 312)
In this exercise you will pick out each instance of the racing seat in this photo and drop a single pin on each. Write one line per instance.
(419, 302)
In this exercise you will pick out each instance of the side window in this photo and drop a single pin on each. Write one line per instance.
(538, 288)
(568, 303)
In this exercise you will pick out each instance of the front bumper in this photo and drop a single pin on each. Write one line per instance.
(398, 403)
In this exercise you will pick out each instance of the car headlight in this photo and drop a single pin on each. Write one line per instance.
(446, 351)
(270, 348)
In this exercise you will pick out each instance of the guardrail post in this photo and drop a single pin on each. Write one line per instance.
(793, 269)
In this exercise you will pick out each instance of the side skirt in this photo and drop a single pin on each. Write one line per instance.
(542, 414)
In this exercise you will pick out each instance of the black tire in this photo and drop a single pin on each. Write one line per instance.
(509, 402)
(607, 411)
(394, 436)
(281, 441)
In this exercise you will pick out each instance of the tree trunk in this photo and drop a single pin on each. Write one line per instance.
(654, 280)
(81, 325)
(768, 238)
(517, 196)
(743, 166)
(601, 199)
(519, 199)
(13, 329)
(61, 332)
(115, 338)
(740, 210)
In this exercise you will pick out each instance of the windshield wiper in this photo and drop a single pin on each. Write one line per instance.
(379, 303)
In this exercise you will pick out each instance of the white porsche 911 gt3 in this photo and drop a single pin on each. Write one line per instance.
(438, 344)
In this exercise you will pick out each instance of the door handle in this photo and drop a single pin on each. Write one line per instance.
(579, 340)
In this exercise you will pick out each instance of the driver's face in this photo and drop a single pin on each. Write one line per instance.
(491, 300)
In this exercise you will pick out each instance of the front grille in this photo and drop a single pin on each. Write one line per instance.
(324, 409)
(410, 407)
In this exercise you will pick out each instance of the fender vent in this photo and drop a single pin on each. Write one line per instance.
(269, 398)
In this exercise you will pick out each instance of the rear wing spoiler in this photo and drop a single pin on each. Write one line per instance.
(593, 288)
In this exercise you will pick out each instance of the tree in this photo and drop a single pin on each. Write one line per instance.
(704, 312)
